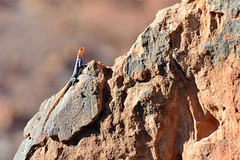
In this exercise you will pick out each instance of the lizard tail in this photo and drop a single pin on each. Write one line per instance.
(55, 103)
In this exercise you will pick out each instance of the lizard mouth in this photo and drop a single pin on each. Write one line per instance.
(80, 52)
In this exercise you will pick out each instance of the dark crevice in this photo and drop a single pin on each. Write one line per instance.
(55, 138)
(142, 136)
(176, 37)
(123, 98)
(213, 22)
(46, 149)
(119, 81)
(177, 70)
(82, 95)
(220, 15)
(59, 152)
(36, 147)
(179, 156)
(237, 14)
(236, 110)
(108, 73)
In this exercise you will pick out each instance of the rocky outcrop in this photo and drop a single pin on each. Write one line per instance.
(174, 95)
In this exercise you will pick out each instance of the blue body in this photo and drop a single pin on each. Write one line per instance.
(78, 64)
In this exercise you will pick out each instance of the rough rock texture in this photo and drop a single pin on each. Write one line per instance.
(174, 95)
(76, 109)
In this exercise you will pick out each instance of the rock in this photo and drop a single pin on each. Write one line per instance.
(79, 107)
(174, 95)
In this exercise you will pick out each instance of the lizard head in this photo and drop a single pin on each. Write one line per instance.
(80, 52)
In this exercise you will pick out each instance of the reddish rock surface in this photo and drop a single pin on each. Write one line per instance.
(174, 95)
(39, 40)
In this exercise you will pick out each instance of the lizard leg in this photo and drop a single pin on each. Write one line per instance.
(74, 80)
(84, 66)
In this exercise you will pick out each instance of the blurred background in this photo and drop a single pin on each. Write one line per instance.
(38, 44)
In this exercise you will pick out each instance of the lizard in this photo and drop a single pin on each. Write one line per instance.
(71, 82)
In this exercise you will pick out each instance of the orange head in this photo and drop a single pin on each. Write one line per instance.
(80, 52)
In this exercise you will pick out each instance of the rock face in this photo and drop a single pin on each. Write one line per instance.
(174, 95)
(76, 109)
